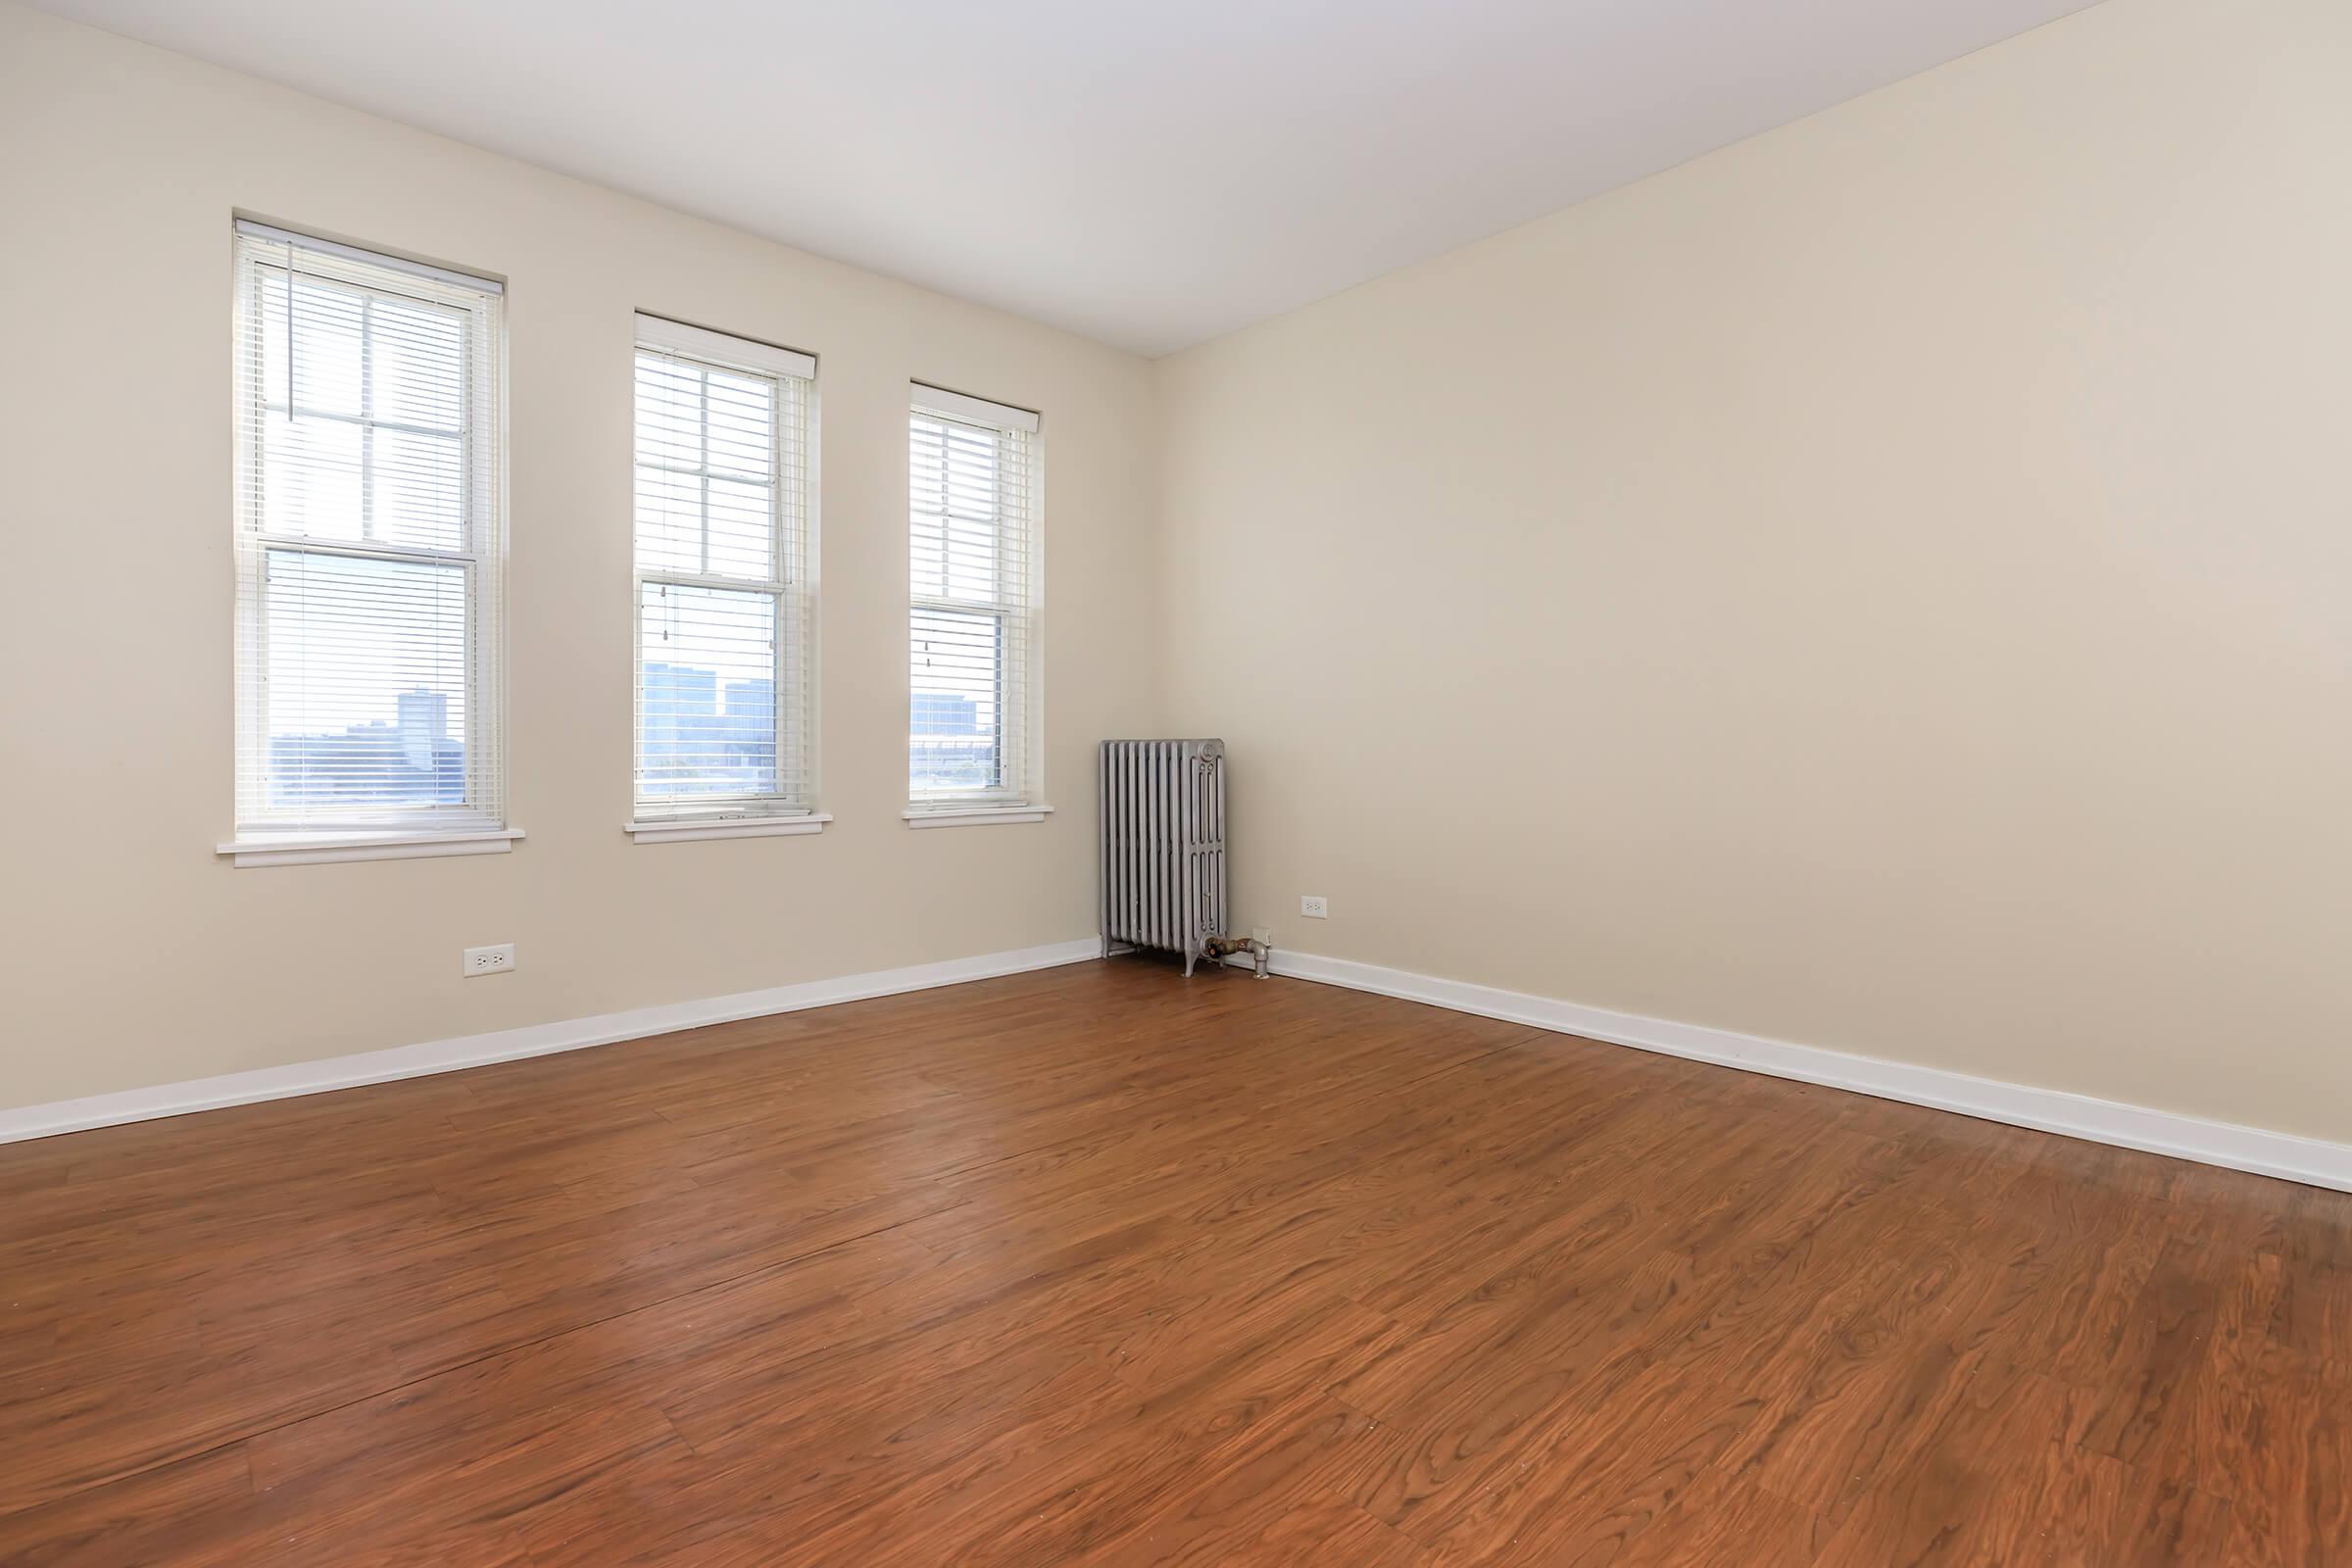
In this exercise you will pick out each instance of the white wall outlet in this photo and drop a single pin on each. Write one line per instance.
(1314, 907)
(490, 960)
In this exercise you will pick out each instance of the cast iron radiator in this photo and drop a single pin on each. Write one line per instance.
(1163, 848)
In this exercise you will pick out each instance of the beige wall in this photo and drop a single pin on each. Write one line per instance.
(1886, 586)
(132, 955)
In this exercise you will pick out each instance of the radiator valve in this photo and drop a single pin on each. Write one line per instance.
(1222, 947)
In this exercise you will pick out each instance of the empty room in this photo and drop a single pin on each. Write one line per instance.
(1394, 785)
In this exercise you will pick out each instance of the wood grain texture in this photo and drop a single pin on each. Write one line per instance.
(1099, 1266)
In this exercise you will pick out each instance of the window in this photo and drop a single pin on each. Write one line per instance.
(368, 543)
(972, 638)
(723, 590)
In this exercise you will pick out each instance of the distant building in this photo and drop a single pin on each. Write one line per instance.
(689, 745)
(754, 699)
(424, 725)
(674, 710)
(943, 713)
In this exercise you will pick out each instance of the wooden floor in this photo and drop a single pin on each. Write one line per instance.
(1101, 1266)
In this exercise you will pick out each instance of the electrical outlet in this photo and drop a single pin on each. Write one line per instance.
(1314, 907)
(490, 960)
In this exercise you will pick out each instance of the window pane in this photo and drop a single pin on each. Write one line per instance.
(742, 424)
(742, 529)
(707, 703)
(321, 350)
(364, 683)
(416, 358)
(670, 522)
(956, 667)
(669, 413)
(416, 489)
(311, 472)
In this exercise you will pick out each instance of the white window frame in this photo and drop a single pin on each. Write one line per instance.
(1020, 746)
(791, 583)
(267, 836)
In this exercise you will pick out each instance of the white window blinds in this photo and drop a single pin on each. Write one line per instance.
(972, 634)
(369, 538)
(724, 593)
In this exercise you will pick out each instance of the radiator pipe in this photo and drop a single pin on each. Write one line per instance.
(1222, 947)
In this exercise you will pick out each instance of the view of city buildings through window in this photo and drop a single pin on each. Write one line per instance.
(411, 760)
(725, 729)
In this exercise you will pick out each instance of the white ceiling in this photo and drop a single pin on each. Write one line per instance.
(1148, 175)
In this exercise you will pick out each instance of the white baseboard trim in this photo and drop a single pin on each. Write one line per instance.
(2102, 1121)
(510, 1044)
(2309, 1160)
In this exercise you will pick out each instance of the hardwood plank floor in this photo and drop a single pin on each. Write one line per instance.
(1099, 1266)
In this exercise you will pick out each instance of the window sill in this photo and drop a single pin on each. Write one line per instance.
(320, 849)
(728, 827)
(975, 816)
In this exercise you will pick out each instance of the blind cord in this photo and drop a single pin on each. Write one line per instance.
(290, 293)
